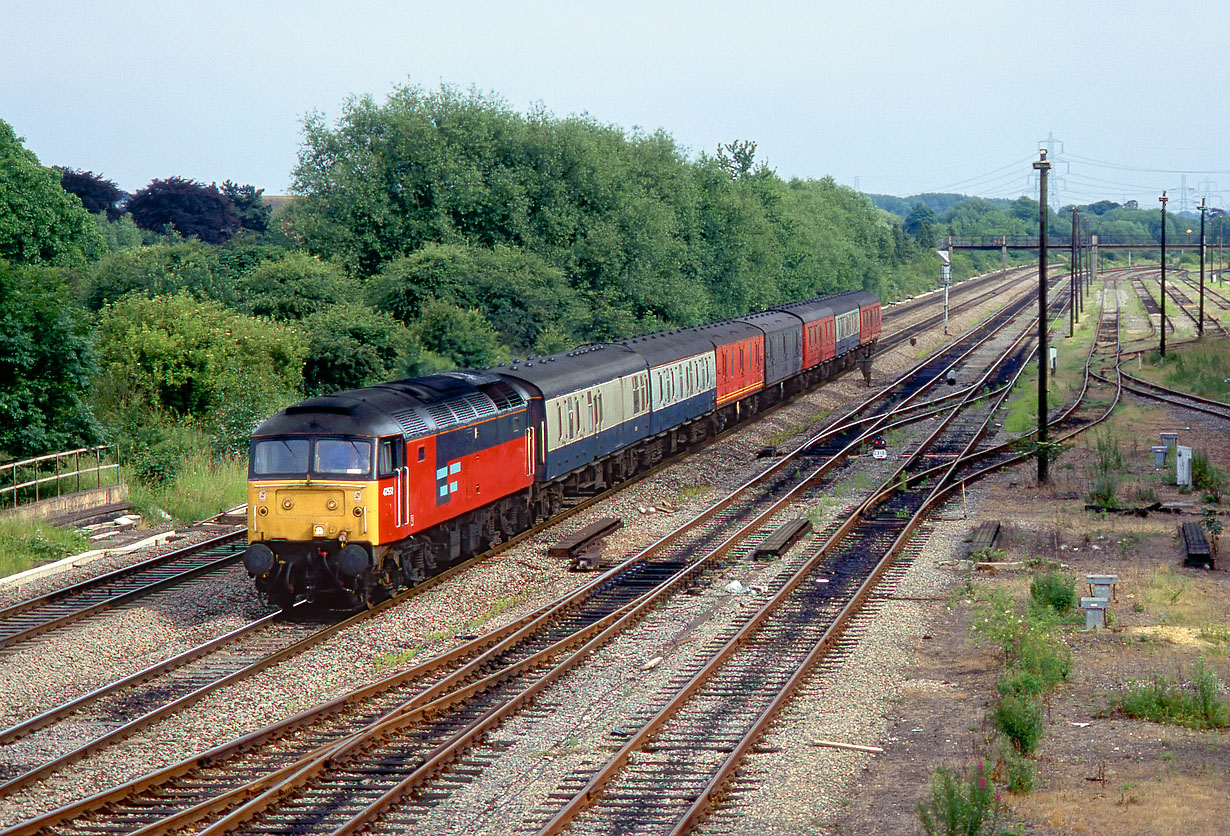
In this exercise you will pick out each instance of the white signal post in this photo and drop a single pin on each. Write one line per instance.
(946, 278)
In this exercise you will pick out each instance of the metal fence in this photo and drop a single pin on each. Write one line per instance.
(56, 474)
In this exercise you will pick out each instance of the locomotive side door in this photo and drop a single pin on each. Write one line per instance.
(393, 463)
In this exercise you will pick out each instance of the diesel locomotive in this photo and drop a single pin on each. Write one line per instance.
(366, 491)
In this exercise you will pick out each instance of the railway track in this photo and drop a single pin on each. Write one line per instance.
(135, 701)
(205, 786)
(24, 620)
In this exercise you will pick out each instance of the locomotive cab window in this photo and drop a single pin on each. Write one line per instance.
(342, 457)
(279, 457)
(390, 456)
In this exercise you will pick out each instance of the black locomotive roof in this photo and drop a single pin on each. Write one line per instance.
(558, 374)
(669, 346)
(415, 407)
(772, 322)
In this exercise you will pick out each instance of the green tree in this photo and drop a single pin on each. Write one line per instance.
(460, 336)
(176, 357)
(40, 223)
(351, 345)
(158, 270)
(517, 292)
(292, 287)
(250, 208)
(46, 365)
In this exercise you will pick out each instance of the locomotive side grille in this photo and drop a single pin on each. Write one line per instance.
(482, 405)
(412, 424)
(441, 414)
(504, 396)
(464, 411)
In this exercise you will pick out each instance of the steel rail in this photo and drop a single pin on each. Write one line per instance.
(783, 463)
(713, 790)
(15, 620)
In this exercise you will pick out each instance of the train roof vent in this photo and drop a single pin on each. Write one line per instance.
(412, 424)
(481, 404)
(442, 415)
(504, 396)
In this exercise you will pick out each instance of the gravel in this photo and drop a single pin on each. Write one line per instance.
(73, 660)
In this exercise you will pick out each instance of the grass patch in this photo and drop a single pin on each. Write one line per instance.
(795, 429)
(693, 491)
(1200, 368)
(1195, 703)
(24, 545)
(198, 486)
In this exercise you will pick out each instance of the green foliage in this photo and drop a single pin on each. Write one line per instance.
(206, 271)
(46, 364)
(40, 223)
(201, 484)
(1106, 472)
(351, 345)
(292, 287)
(185, 359)
(1020, 774)
(460, 336)
(1035, 661)
(1019, 717)
(572, 211)
(1196, 704)
(527, 301)
(1206, 477)
(1054, 589)
(24, 545)
(250, 209)
(119, 234)
(961, 805)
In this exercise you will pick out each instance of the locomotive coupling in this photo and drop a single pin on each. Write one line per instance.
(258, 560)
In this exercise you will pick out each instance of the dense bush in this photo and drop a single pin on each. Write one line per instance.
(961, 805)
(176, 358)
(46, 364)
(351, 345)
(525, 300)
(1054, 589)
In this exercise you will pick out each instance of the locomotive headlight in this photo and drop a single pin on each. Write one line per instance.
(288, 503)
(318, 531)
(331, 504)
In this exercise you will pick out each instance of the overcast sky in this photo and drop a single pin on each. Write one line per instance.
(897, 97)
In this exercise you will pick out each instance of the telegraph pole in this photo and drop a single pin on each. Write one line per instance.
(1073, 278)
(1200, 323)
(1162, 346)
(1042, 167)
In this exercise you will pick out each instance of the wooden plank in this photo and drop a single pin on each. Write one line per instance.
(1196, 547)
(571, 546)
(781, 540)
(984, 537)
